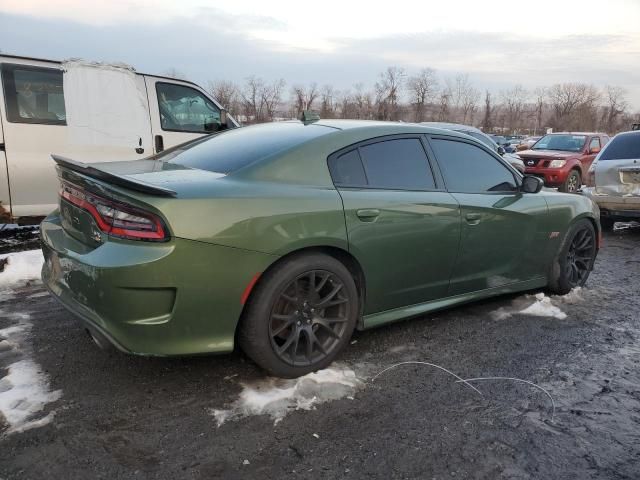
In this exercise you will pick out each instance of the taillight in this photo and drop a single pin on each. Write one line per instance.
(114, 218)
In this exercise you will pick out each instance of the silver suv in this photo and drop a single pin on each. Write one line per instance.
(614, 177)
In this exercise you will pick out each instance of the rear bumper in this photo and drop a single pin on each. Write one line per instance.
(175, 298)
(615, 206)
(552, 177)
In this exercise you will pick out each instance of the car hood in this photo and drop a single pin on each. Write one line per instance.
(550, 154)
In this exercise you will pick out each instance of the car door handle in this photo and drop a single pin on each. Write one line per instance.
(473, 218)
(368, 214)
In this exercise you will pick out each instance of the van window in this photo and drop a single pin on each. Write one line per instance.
(185, 109)
(33, 94)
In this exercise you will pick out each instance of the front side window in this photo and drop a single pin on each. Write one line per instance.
(33, 95)
(469, 169)
(563, 143)
(185, 109)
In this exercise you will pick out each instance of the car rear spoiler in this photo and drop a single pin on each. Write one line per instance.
(121, 181)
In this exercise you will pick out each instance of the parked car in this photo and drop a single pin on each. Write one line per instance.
(504, 143)
(118, 114)
(479, 135)
(527, 142)
(615, 179)
(562, 159)
(286, 236)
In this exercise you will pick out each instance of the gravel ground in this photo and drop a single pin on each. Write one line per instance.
(129, 417)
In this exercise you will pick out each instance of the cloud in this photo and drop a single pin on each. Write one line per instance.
(218, 45)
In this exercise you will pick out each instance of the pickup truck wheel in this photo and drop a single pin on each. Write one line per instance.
(572, 183)
(574, 260)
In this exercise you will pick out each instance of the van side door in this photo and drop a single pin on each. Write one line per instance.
(180, 111)
(5, 199)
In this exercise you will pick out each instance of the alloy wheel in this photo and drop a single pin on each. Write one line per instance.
(580, 256)
(309, 318)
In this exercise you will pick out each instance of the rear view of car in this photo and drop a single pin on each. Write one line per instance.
(615, 179)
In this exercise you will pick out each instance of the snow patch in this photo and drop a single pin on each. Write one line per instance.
(542, 306)
(24, 390)
(277, 397)
(21, 268)
(23, 393)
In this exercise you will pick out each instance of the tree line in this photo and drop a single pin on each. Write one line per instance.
(426, 96)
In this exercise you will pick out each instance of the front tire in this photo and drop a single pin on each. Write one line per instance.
(573, 182)
(300, 316)
(574, 260)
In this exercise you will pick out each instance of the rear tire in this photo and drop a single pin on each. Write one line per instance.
(574, 260)
(573, 182)
(300, 316)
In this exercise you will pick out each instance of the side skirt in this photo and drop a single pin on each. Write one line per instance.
(389, 316)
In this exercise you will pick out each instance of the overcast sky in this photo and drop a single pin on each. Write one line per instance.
(498, 43)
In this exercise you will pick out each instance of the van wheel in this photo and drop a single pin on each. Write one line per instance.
(572, 183)
(574, 260)
(301, 315)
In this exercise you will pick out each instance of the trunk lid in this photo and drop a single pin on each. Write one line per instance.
(135, 185)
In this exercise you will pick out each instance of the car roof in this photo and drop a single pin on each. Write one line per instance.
(452, 126)
(576, 133)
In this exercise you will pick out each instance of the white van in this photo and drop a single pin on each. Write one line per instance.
(86, 110)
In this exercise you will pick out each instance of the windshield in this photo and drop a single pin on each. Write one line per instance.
(233, 149)
(565, 143)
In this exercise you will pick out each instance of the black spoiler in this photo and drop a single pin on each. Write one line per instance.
(121, 181)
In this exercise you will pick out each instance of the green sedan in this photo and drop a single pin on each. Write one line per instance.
(285, 237)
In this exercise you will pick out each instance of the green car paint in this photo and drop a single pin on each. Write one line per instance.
(422, 251)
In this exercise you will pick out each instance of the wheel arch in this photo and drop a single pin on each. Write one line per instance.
(340, 254)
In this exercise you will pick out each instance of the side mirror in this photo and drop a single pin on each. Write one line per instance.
(501, 150)
(594, 150)
(531, 184)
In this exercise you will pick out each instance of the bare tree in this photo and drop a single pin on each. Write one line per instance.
(423, 88)
(444, 104)
(364, 103)
(574, 106)
(388, 90)
(615, 107)
(304, 97)
(272, 97)
(328, 105)
(252, 100)
(540, 94)
(464, 97)
(513, 105)
(487, 122)
(226, 93)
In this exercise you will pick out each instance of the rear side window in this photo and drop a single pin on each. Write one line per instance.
(595, 143)
(397, 164)
(33, 94)
(185, 109)
(622, 147)
(469, 169)
(231, 150)
(347, 169)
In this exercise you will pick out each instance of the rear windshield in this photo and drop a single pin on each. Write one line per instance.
(231, 150)
(565, 143)
(622, 147)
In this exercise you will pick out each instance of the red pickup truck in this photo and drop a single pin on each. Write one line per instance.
(562, 159)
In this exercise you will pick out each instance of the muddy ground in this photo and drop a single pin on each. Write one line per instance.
(128, 417)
